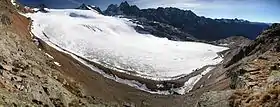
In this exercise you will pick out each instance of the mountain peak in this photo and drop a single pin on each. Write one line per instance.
(125, 3)
(89, 7)
(83, 7)
(123, 9)
(124, 6)
(96, 9)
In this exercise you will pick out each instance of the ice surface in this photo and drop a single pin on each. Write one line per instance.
(191, 82)
(49, 56)
(113, 42)
(56, 63)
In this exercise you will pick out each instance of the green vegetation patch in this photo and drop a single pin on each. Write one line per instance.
(275, 73)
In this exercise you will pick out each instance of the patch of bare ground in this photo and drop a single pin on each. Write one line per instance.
(260, 84)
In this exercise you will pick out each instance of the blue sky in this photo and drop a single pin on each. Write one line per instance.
(253, 10)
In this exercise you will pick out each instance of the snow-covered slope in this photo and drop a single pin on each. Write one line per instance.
(13, 2)
(112, 42)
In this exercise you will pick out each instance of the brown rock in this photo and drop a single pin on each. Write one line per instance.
(6, 67)
(5, 20)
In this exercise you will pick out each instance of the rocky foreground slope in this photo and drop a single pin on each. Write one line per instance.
(29, 76)
(254, 75)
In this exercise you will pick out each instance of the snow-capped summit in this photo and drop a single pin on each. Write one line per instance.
(84, 7)
(89, 7)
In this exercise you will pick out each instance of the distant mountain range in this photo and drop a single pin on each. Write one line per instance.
(187, 22)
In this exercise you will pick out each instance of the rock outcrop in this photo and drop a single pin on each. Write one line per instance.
(233, 42)
(215, 99)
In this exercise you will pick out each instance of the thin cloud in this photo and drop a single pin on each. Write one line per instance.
(74, 2)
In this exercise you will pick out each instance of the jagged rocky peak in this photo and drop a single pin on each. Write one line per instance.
(83, 7)
(96, 9)
(171, 10)
(236, 20)
(123, 9)
(124, 5)
(89, 7)
(112, 10)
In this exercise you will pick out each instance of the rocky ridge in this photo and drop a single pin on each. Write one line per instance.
(233, 42)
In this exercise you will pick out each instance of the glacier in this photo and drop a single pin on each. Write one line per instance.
(113, 42)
